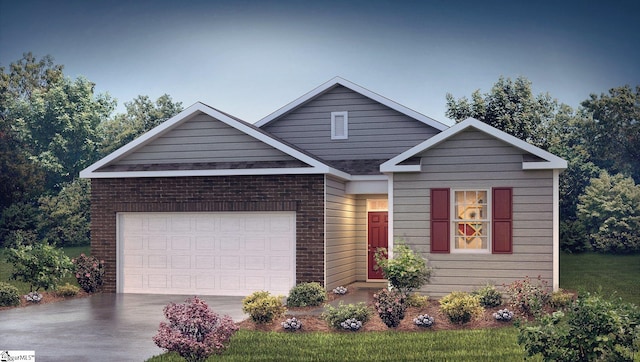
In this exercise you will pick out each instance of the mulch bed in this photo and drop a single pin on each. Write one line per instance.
(312, 323)
(47, 297)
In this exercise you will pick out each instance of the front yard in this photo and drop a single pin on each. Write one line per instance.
(610, 275)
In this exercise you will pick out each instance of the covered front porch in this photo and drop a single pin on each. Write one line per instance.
(356, 225)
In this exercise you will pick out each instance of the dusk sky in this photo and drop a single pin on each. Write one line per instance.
(251, 57)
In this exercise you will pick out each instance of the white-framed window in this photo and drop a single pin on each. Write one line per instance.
(339, 125)
(470, 221)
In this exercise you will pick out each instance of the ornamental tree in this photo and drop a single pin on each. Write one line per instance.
(41, 265)
(406, 271)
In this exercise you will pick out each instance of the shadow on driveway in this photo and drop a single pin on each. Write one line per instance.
(102, 327)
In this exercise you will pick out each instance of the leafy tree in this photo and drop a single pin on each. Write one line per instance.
(64, 218)
(41, 265)
(609, 210)
(141, 116)
(18, 225)
(510, 107)
(60, 126)
(613, 130)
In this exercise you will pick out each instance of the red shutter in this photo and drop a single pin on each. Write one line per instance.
(440, 225)
(502, 221)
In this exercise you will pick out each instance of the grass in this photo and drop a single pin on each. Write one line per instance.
(454, 345)
(23, 288)
(611, 276)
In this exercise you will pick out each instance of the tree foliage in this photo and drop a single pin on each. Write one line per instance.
(406, 271)
(64, 217)
(609, 209)
(141, 116)
(613, 130)
(510, 107)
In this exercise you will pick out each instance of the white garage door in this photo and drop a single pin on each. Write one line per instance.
(206, 253)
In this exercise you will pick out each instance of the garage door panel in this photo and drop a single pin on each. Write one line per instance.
(206, 253)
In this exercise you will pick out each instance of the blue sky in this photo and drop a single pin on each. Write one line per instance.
(251, 57)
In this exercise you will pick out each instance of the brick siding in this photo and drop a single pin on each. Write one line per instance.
(303, 194)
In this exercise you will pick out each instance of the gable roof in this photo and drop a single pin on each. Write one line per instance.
(358, 89)
(549, 161)
(101, 169)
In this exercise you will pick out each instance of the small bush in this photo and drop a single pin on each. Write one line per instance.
(423, 320)
(489, 296)
(351, 324)
(9, 296)
(560, 299)
(340, 290)
(41, 265)
(390, 306)
(503, 315)
(263, 307)
(306, 294)
(407, 271)
(194, 331)
(461, 307)
(417, 301)
(33, 297)
(592, 329)
(67, 290)
(89, 272)
(527, 297)
(291, 324)
(334, 316)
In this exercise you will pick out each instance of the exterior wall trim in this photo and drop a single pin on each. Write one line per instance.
(556, 229)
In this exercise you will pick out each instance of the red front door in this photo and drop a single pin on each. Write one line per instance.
(377, 238)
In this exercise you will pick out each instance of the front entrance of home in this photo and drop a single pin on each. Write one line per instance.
(377, 235)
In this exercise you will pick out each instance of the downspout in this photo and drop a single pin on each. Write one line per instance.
(390, 213)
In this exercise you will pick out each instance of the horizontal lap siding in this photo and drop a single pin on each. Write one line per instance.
(375, 130)
(341, 225)
(204, 139)
(453, 164)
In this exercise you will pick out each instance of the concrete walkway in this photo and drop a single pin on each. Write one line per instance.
(103, 327)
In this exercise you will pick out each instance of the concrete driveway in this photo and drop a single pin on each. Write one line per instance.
(102, 327)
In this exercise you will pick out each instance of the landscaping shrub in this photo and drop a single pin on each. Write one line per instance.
(291, 324)
(407, 271)
(423, 320)
(417, 301)
(306, 294)
(89, 272)
(351, 325)
(461, 307)
(560, 299)
(9, 296)
(591, 329)
(41, 265)
(33, 297)
(503, 315)
(489, 296)
(391, 306)
(340, 290)
(334, 316)
(194, 331)
(527, 297)
(67, 290)
(263, 307)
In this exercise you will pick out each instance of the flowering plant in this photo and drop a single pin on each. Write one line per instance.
(89, 272)
(390, 306)
(351, 324)
(503, 315)
(291, 324)
(423, 320)
(33, 297)
(340, 290)
(194, 331)
(527, 297)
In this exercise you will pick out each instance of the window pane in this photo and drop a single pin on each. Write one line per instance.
(470, 220)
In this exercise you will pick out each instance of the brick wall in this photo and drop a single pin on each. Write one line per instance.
(303, 194)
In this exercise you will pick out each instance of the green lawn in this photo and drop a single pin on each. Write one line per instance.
(23, 288)
(609, 275)
(461, 345)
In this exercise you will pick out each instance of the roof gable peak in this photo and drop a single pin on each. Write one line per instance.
(356, 88)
